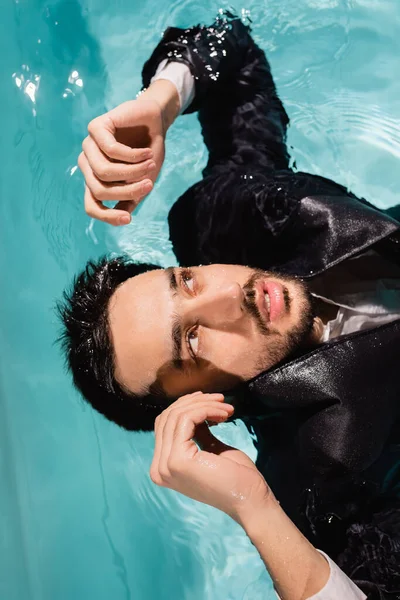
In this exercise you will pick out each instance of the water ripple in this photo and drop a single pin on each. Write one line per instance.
(335, 63)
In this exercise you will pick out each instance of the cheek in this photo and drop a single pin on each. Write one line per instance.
(245, 358)
(236, 354)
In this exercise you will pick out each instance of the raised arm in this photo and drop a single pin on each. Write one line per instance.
(242, 119)
(227, 479)
(224, 76)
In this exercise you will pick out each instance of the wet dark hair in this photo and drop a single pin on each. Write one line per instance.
(87, 344)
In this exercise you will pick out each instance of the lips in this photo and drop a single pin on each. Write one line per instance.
(270, 299)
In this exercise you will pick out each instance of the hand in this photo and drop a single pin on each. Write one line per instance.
(217, 474)
(124, 151)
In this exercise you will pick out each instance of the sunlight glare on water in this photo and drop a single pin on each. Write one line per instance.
(81, 518)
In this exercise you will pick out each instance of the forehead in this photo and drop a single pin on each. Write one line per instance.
(140, 324)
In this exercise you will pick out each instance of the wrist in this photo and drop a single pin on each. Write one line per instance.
(165, 94)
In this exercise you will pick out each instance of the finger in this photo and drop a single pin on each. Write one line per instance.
(154, 468)
(196, 397)
(182, 403)
(109, 171)
(158, 439)
(102, 130)
(177, 408)
(104, 191)
(187, 400)
(186, 419)
(209, 443)
(185, 428)
(131, 192)
(96, 210)
(126, 206)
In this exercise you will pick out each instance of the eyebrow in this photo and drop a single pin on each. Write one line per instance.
(176, 331)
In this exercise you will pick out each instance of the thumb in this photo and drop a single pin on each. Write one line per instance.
(126, 205)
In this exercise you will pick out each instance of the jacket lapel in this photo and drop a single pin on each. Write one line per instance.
(351, 388)
(327, 230)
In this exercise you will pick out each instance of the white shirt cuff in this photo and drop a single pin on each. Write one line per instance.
(338, 586)
(180, 75)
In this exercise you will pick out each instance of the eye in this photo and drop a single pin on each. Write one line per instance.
(193, 342)
(187, 280)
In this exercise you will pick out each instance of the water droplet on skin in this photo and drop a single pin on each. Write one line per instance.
(238, 495)
(207, 463)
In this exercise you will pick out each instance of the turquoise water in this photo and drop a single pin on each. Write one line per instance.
(80, 517)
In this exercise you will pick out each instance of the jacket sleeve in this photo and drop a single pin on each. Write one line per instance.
(249, 197)
(365, 527)
(349, 517)
(243, 121)
(247, 216)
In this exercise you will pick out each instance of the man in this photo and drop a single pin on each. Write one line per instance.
(306, 337)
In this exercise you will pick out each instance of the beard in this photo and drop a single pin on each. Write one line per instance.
(278, 346)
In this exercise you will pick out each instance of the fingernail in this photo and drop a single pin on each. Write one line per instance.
(146, 187)
(151, 167)
(124, 220)
(148, 154)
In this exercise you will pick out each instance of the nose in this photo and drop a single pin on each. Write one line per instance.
(220, 306)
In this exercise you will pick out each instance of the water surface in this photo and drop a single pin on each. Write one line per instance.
(81, 519)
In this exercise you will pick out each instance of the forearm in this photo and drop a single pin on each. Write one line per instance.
(165, 94)
(298, 570)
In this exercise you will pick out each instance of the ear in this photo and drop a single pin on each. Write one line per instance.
(317, 330)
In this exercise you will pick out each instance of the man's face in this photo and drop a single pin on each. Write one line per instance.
(208, 328)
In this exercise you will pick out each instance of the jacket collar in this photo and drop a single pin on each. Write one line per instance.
(350, 387)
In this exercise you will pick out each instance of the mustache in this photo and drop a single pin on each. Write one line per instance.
(250, 301)
(252, 310)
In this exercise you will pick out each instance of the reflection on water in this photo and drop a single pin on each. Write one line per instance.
(28, 84)
(82, 517)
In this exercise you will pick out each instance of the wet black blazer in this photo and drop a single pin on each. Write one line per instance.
(324, 421)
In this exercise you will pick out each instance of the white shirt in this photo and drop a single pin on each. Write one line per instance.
(338, 586)
(365, 289)
(180, 75)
